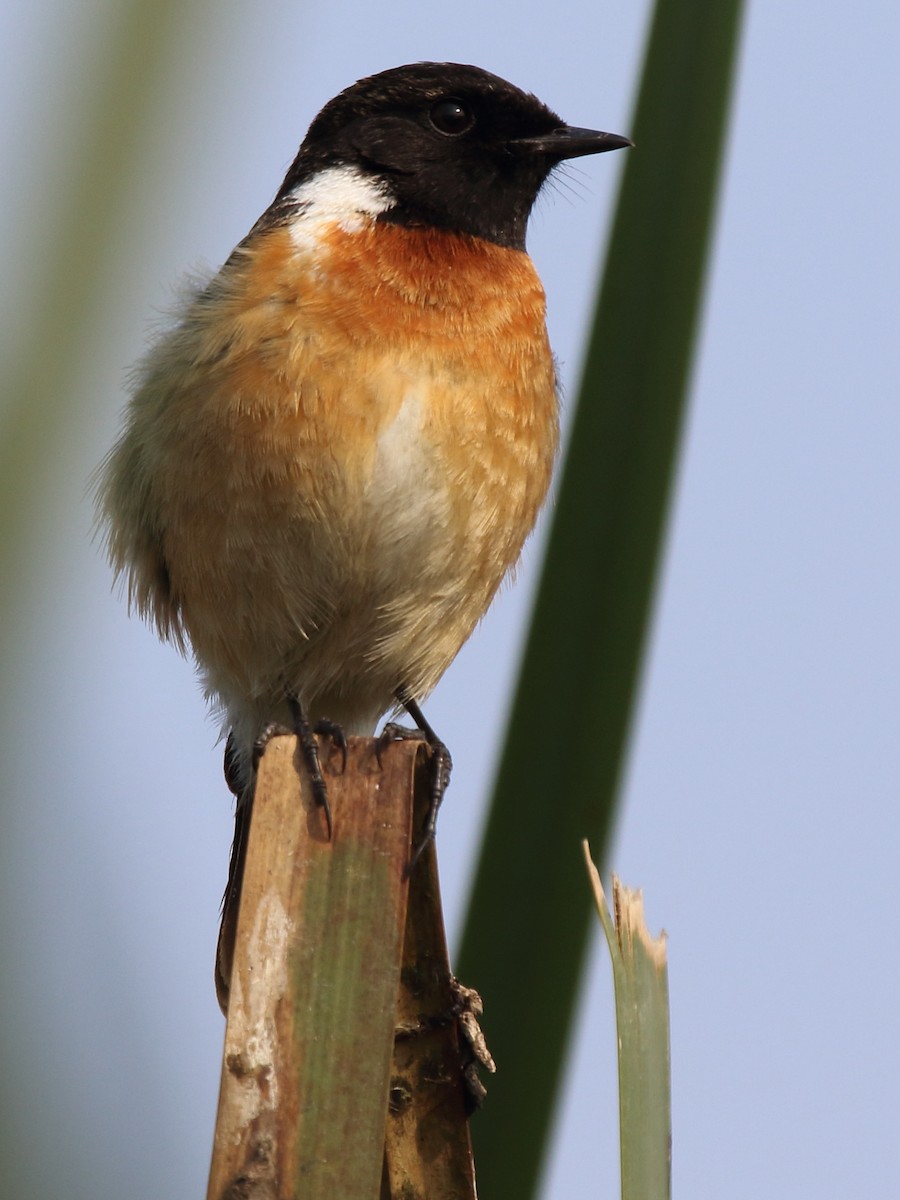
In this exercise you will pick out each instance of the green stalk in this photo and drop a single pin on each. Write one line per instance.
(641, 981)
(526, 933)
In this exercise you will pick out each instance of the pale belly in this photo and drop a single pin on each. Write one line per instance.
(371, 587)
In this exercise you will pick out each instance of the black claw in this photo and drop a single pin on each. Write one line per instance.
(393, 732)
(320, 795)
(336, 733)
(440, 765)
(310, 749)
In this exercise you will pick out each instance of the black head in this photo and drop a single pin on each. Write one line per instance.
(456, 147)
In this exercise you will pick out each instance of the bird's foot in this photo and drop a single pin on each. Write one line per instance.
(440, 766)
(309, 748)
(265, 735)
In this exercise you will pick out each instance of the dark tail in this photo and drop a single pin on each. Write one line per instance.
(231, 901)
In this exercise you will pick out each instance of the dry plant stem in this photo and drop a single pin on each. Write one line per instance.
(428, 1151)
(307, 1062)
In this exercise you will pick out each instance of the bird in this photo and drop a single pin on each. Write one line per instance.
(333, 457)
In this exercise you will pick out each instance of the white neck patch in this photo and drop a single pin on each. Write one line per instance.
(343, 196)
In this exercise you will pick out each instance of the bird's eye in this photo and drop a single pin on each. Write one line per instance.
(451, 116)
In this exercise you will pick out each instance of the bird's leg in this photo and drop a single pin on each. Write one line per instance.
(309, 747)
(441, 765)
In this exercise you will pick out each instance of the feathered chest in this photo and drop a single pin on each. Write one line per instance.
(380, 370)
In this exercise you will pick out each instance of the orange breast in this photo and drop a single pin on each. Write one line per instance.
(356, 450)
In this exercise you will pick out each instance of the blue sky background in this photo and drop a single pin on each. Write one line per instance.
(760, 810)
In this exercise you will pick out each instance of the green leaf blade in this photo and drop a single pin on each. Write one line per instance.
(529, 918)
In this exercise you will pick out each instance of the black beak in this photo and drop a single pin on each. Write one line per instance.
(569, 142)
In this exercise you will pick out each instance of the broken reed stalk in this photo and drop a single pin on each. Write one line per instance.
(641, 981)
(310, 1059)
